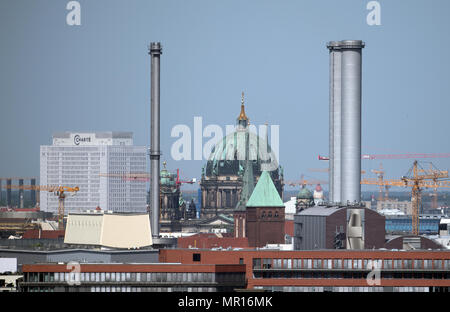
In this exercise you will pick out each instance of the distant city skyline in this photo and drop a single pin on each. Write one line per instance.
(96, 76)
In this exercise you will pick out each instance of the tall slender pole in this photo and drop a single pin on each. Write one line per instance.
(155, 51)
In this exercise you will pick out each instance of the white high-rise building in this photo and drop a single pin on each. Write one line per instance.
(101, 164)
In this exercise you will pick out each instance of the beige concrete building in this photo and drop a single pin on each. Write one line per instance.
(107, 229)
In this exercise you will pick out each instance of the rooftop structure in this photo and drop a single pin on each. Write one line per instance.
(265, 194)
(69, 138)
(109, 230)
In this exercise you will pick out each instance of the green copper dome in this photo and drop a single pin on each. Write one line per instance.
(166, 178)
(227, 156)
(304, 193)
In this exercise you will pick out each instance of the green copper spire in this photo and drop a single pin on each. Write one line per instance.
(265, 193)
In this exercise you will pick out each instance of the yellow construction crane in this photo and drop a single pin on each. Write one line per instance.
(60, 191)
(380, 174)
(302, 181)
(417, 178)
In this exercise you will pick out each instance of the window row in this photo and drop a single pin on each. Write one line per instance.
(269, 263)
(121, 277)
(349, 275)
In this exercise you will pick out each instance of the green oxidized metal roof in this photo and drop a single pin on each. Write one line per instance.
(265, 194)
(304, 193)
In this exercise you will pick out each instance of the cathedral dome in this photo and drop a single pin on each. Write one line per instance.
(304, 193)
(228, 155)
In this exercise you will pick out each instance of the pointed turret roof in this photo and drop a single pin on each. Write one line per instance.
(265, 193)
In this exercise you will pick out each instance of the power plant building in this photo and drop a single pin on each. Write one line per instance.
(348, 227)
(101, 164)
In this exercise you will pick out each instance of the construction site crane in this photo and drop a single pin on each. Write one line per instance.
(380, 175)
(132, 176)
(59, 191)
(144, 176)
(178, 182)
(417, 178)
(302, 181)
(397, 156)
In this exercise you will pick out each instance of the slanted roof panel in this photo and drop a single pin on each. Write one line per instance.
(265, 193)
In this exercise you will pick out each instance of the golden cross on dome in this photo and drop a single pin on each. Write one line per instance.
(242, 115)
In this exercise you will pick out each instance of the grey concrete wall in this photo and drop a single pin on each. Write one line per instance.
(309, 232)
(79, 255)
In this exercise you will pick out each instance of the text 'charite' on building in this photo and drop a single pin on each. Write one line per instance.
(101, 164)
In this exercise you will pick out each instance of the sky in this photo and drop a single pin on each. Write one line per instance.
(96, 76)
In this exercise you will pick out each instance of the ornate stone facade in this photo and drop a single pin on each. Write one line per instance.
(221, 182)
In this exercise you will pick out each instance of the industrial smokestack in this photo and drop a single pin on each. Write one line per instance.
(345, 121)
(335, 123)
(155, 51)
(351, 120)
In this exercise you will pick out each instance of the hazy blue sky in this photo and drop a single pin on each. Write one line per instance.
(96, 77)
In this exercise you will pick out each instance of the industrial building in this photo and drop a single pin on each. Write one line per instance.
(100, 164)
(323, 227)
(330, 270)
(121, 277)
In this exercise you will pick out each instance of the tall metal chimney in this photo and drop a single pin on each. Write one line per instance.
(351, 120)
(335, 123)
(345, 121)
(155, 51)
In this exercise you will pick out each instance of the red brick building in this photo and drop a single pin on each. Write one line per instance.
(330, 270)
(211, 240)
(38, 233)
(265, 214)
